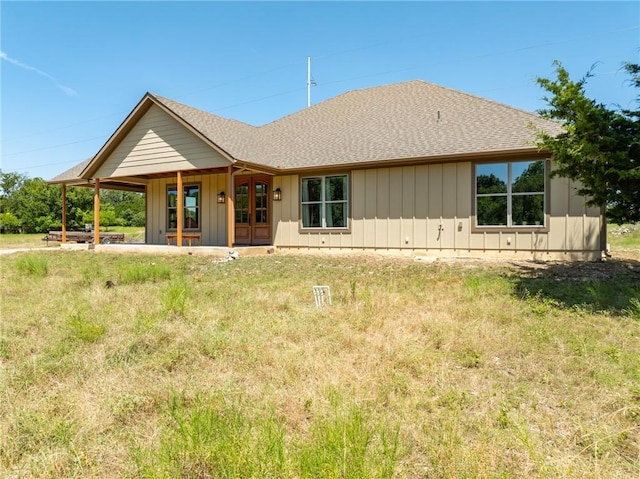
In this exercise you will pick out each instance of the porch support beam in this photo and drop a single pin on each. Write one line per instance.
(180, 209)
(230, 209)
(96, 213)
(64, 212)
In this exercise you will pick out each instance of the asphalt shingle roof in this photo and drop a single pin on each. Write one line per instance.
(414, 119)
(410, 120)
(72, 173)
(238, 139)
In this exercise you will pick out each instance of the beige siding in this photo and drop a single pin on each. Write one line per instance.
(358, 203)
(434, 207)
(421, 204)
(213, 218)
(156, 144)
(464, 193)
(428, 209)
(285, 212)
(407, 211)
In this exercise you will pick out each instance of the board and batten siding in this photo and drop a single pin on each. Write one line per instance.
(429, 208)
(213, 216)
(158, 144)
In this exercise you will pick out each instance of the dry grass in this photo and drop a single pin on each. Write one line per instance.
(417, 370)
(132, 234)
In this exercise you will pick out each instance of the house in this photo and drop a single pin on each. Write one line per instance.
(410, 167)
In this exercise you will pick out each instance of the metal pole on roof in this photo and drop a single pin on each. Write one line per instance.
(308, 82)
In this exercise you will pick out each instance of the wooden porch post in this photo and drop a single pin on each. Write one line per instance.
(230, 209)
(96, 213)
(64, 212)
(180, 209)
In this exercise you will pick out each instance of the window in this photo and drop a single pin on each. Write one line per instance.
(191, 205)
(510, 194)
(325, 202)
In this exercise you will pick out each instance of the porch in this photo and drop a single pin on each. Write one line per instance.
(221, 207)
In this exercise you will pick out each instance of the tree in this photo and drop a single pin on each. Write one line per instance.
(30, 205)
(38, 206)
(9, 223)
(599, 148)
(107, 216)
(128, 206)
(79, 202)
(10, 184)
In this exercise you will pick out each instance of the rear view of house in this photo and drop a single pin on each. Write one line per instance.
(411, 168)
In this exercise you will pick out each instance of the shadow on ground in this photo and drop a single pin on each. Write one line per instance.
(611, 286)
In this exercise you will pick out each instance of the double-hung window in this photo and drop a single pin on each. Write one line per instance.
(191, 207)
(325, 202)
(510, 194)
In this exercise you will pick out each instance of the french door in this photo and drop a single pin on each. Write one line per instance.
(253, 210)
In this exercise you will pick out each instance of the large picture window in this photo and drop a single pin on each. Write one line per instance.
(511, 194)
(324, 201)
(191, 207)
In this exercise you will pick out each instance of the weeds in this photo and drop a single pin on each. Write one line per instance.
(143, 272)
(417, 370)
(211, 437)
(208, 438)
(633, 310)
(84, 330)
(33, 265)
(174, 297)
(349, 444)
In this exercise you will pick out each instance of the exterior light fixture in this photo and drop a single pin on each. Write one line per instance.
(221, 197)
(277, 194)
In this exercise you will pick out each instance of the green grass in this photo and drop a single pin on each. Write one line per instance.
(180, 366)
(32, 265)
(10, 241)
(624, 239)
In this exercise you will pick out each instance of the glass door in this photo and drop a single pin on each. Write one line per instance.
(252, 210)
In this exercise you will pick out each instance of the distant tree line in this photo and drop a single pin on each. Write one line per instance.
(30, 205)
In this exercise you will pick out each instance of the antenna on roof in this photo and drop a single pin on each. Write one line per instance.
(310, 81)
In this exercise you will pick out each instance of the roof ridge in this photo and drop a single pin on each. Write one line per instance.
(337, 97)
(164, 100)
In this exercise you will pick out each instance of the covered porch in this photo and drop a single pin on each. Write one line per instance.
(221, 207)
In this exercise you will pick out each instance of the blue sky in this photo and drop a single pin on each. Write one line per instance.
(72, 71)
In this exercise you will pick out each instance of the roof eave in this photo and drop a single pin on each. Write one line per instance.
(529, 152)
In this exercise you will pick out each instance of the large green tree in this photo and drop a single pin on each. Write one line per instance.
(30, 205)
(600, 146)
(37, 205)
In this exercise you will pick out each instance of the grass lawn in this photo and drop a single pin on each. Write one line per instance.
(132, 234)
(624, 240)
(181, 366)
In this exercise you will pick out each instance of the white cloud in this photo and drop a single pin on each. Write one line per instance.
(65, 89)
